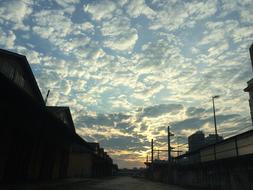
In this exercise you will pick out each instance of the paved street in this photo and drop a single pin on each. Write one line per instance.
(113, 183)
(118, 183)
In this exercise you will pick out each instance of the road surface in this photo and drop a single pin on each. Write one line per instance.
(113, 183)
(118, 183)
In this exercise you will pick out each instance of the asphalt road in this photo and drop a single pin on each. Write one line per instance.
(118, 183)
(113, 183)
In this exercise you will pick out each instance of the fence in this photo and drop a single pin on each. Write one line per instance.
(235, 146)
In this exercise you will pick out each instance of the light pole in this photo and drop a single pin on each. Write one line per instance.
(214, 118)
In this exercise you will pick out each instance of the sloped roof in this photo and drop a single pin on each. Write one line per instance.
(64, 114)
(27, 71)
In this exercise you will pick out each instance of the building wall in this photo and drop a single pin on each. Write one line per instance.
(80, 165)
(31, 141)
(196, 141)
(35, 145)
(225, 174)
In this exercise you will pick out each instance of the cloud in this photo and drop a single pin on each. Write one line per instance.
(102, 10)
(157, 110)
(9, 13)
(173, 16)
(129, 68)
(118, 34)
(70, 38)
(137, 8)
(124, 143)
(7, 39)
(65, 3)
(98, 120)
(68, 5)
(193, 111)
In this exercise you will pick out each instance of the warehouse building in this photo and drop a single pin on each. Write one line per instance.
(37, 142)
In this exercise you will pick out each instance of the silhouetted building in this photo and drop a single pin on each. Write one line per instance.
(95, 147)
(249, 88)
(211, 139)
(15, 69)
(196, 141)
(64, 114)
(38, 142)
(251, 54)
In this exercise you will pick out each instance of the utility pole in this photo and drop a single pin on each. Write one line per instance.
(152, 151)
(177, 147)
(214, 118)
(169, 150)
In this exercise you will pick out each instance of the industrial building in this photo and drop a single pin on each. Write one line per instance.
(211, 139)
(196, 141)
(38, 142)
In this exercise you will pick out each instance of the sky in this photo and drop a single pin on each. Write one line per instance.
(129, 68)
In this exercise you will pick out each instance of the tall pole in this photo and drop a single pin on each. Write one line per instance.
(214, 118)
(169, 150)
(152, 151)
(177, 147)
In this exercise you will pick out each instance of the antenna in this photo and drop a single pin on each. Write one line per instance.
(47, 97)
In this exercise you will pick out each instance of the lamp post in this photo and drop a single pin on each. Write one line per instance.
(214, 118)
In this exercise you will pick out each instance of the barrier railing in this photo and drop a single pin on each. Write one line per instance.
(235, 146)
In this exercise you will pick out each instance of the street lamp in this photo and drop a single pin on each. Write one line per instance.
(214, 118)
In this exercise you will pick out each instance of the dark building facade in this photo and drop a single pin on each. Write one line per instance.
(251, 54)
(249, 88)
(64, 114)
(38, 142)
(196, 141)
(211, 139)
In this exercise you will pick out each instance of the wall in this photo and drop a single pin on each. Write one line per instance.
(80, 165)
(224, 174)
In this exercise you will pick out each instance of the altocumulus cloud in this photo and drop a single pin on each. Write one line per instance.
(129, 68)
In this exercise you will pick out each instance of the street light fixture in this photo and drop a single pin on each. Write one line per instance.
(214, 118)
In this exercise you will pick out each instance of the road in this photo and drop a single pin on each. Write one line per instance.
(118, 183)
(113, 183)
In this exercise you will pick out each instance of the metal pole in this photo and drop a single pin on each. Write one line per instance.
(47, 97)
(152, 151)
(177, 147)
(169, 150)
(214, 117)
